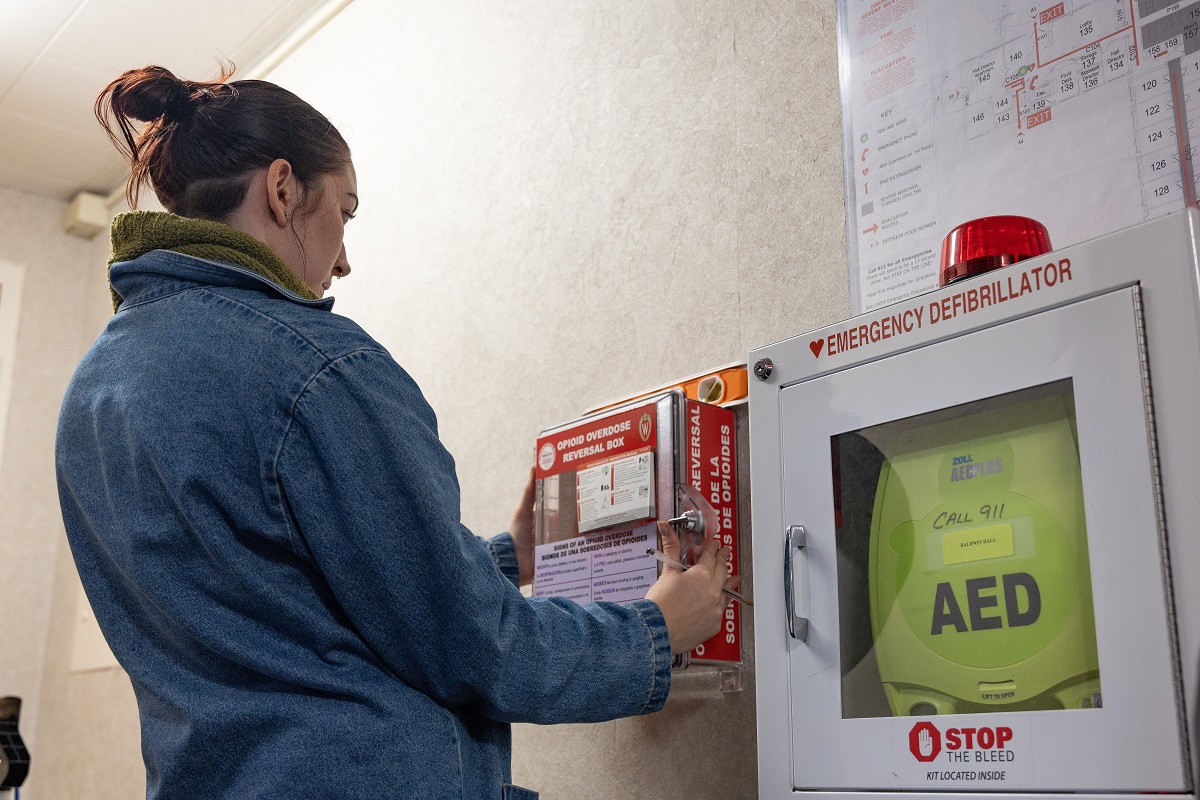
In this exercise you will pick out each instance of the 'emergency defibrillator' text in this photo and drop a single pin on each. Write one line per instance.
(975, 296)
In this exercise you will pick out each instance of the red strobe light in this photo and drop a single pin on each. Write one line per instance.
(988, 243)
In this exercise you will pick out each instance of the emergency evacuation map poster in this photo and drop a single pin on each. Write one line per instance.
(1078, 114)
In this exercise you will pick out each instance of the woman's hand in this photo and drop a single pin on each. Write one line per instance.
(521, 529)
(691, 602)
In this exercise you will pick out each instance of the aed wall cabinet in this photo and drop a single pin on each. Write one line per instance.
(978, 528)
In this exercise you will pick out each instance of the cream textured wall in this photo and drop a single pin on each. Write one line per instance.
(564, 203)
(89, 746)
(54, 322)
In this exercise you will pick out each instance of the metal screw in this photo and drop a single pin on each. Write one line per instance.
(763, 368)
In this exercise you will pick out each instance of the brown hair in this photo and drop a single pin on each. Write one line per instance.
(203, 139)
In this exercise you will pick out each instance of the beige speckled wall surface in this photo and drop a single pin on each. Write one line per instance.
(51, 328)
(89, 747)
(566, 203)
(562, 203)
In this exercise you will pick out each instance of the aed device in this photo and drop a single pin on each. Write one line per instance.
(980, 589)
(604, 481)
(976, 527)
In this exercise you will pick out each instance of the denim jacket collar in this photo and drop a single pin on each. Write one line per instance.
(159, 273)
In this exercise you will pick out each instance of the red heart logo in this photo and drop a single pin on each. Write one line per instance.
(816, 346)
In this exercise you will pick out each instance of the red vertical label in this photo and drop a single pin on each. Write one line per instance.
(711, 468)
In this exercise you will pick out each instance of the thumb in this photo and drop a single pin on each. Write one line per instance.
(523, 516)
(670, 542)
(527, 495)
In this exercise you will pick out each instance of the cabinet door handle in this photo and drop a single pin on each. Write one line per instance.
(794, 540)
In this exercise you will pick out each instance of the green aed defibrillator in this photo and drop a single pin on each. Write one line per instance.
(979, 585)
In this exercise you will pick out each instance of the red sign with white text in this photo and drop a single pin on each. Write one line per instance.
(599, 459)
(599, 440)
(711, 469)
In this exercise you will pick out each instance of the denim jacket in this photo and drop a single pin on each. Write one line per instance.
(267, 527)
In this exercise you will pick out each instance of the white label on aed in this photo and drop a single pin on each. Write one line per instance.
(621, 490)
(984, 752)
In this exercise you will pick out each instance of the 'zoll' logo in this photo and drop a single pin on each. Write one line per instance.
(925, 741)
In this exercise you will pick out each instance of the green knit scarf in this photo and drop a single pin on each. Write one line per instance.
(138, 232)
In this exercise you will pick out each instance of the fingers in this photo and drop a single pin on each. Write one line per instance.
(713, 558)
(708, 555)
(714, 563)
(721, 568)
(669, 543)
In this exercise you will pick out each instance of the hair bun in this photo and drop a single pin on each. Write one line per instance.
(151, 93)
(179, 106)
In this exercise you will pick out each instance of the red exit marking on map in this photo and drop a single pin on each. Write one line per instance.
(1038, 118)
(1052, 13)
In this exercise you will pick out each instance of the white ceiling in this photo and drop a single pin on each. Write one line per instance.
(56, 56)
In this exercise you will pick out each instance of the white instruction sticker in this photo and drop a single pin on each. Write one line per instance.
(616, 491)
(968, 752)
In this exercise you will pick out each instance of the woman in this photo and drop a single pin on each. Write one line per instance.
(264, 519)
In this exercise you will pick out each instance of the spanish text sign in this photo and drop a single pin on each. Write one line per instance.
(610, 566)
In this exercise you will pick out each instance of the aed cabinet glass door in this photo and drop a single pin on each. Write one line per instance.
(963, 576)
(983, 571)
